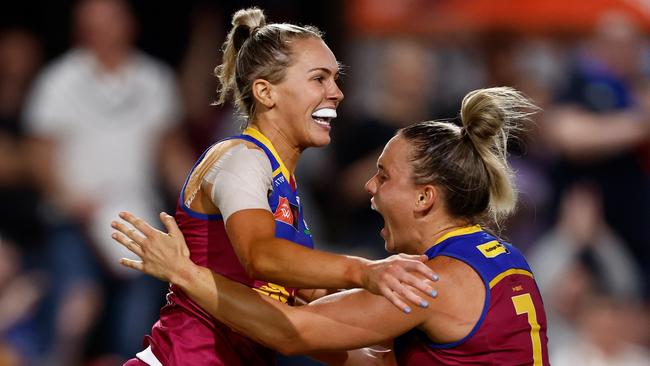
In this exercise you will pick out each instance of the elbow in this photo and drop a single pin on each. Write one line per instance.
(254, 267)
(293, 346)
(259, 266)
(293, 340)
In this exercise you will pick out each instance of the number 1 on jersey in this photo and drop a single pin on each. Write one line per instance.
(524, 305)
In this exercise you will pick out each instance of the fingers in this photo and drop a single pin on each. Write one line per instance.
(170, 224)
(138, 223)
(416, 257)
(395, 300)
(128, 243)
(128, 231)
(413, 263)
(409, 282)
(137, 265)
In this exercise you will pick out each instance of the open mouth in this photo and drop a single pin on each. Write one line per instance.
(324, 116)
(383, 230)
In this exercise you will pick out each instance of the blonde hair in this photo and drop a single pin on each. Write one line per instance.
(255, 50)
(469, 161)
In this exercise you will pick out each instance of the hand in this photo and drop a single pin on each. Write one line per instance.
(396, 275)
(164, 255)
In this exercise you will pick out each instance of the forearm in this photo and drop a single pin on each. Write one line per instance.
(292, 265)
(295, 330)
(264, 320)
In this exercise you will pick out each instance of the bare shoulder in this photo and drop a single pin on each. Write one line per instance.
(460, 301)
(216, 151)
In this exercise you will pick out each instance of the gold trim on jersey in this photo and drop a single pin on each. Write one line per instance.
(509, 272)
(460, 231)
(252, 132)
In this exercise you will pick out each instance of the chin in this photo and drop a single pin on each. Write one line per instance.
(390, 248)
(320, 141)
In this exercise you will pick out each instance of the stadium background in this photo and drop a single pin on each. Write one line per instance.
(582, 168)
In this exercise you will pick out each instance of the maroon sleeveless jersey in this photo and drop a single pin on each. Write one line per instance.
(187, 335)
(512, 326)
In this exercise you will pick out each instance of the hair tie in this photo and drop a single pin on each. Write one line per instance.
(463, 132)
(254, 30)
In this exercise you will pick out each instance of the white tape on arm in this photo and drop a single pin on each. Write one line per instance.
(241, 179)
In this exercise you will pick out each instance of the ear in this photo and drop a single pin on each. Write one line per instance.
(262, 92)
(426, 198)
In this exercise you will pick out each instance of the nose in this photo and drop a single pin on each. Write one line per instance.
(370, 185)
(335, 94)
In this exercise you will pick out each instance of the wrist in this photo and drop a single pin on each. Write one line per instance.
(184, 274)
(357, 272)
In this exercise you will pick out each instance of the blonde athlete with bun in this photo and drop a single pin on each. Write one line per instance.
(436, 186)
(240, 210)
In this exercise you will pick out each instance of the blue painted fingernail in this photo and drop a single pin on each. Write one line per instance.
(434, 293)
(424, 304)
(407, 310)
(435, 277)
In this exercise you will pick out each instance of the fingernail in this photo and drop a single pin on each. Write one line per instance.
(434, 293)
(407, 310)
(113, 224)
(435, 277)
(114, 236)
(424, 304)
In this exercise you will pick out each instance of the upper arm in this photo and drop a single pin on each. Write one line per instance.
(239, 178)
(350, 319)
(248, 228)
(358, 318)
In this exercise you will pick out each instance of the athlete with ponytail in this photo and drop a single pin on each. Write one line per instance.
(439, 186)
(240, 211)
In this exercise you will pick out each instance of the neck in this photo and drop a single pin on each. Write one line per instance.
(289, 152)
(433, 230)
(111, 60)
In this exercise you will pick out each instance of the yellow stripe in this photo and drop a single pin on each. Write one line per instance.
(252, 132)
(507, 273)
(461, 231)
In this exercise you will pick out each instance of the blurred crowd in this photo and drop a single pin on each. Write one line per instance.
(106, 125)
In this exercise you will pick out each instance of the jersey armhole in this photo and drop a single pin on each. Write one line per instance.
(486, 304)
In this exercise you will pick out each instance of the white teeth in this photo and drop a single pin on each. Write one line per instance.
(372, 205)
(325, 113)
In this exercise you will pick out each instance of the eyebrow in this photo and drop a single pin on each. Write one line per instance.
(326, 70)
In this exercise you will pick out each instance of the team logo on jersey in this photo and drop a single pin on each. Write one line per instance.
(286, 212)
(492, 248)
(273, 291)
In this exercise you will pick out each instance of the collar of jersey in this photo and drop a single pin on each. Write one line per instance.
(256, 134)
(457, 232)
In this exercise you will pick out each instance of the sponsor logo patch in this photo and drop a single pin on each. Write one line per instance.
(492, 248)
(286, 212)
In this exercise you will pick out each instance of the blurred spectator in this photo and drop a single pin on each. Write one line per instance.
(100, 117)
(20, 57)
(403, 75)
(604, 335)
(581, 256)
(204, 123)
(599, 123)
(20, 292)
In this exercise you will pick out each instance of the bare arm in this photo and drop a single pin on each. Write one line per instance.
(586, 135)
(252, 233)
(345, 320)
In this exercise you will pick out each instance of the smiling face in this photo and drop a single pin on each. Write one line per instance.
(394, 195)
(307, 98)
